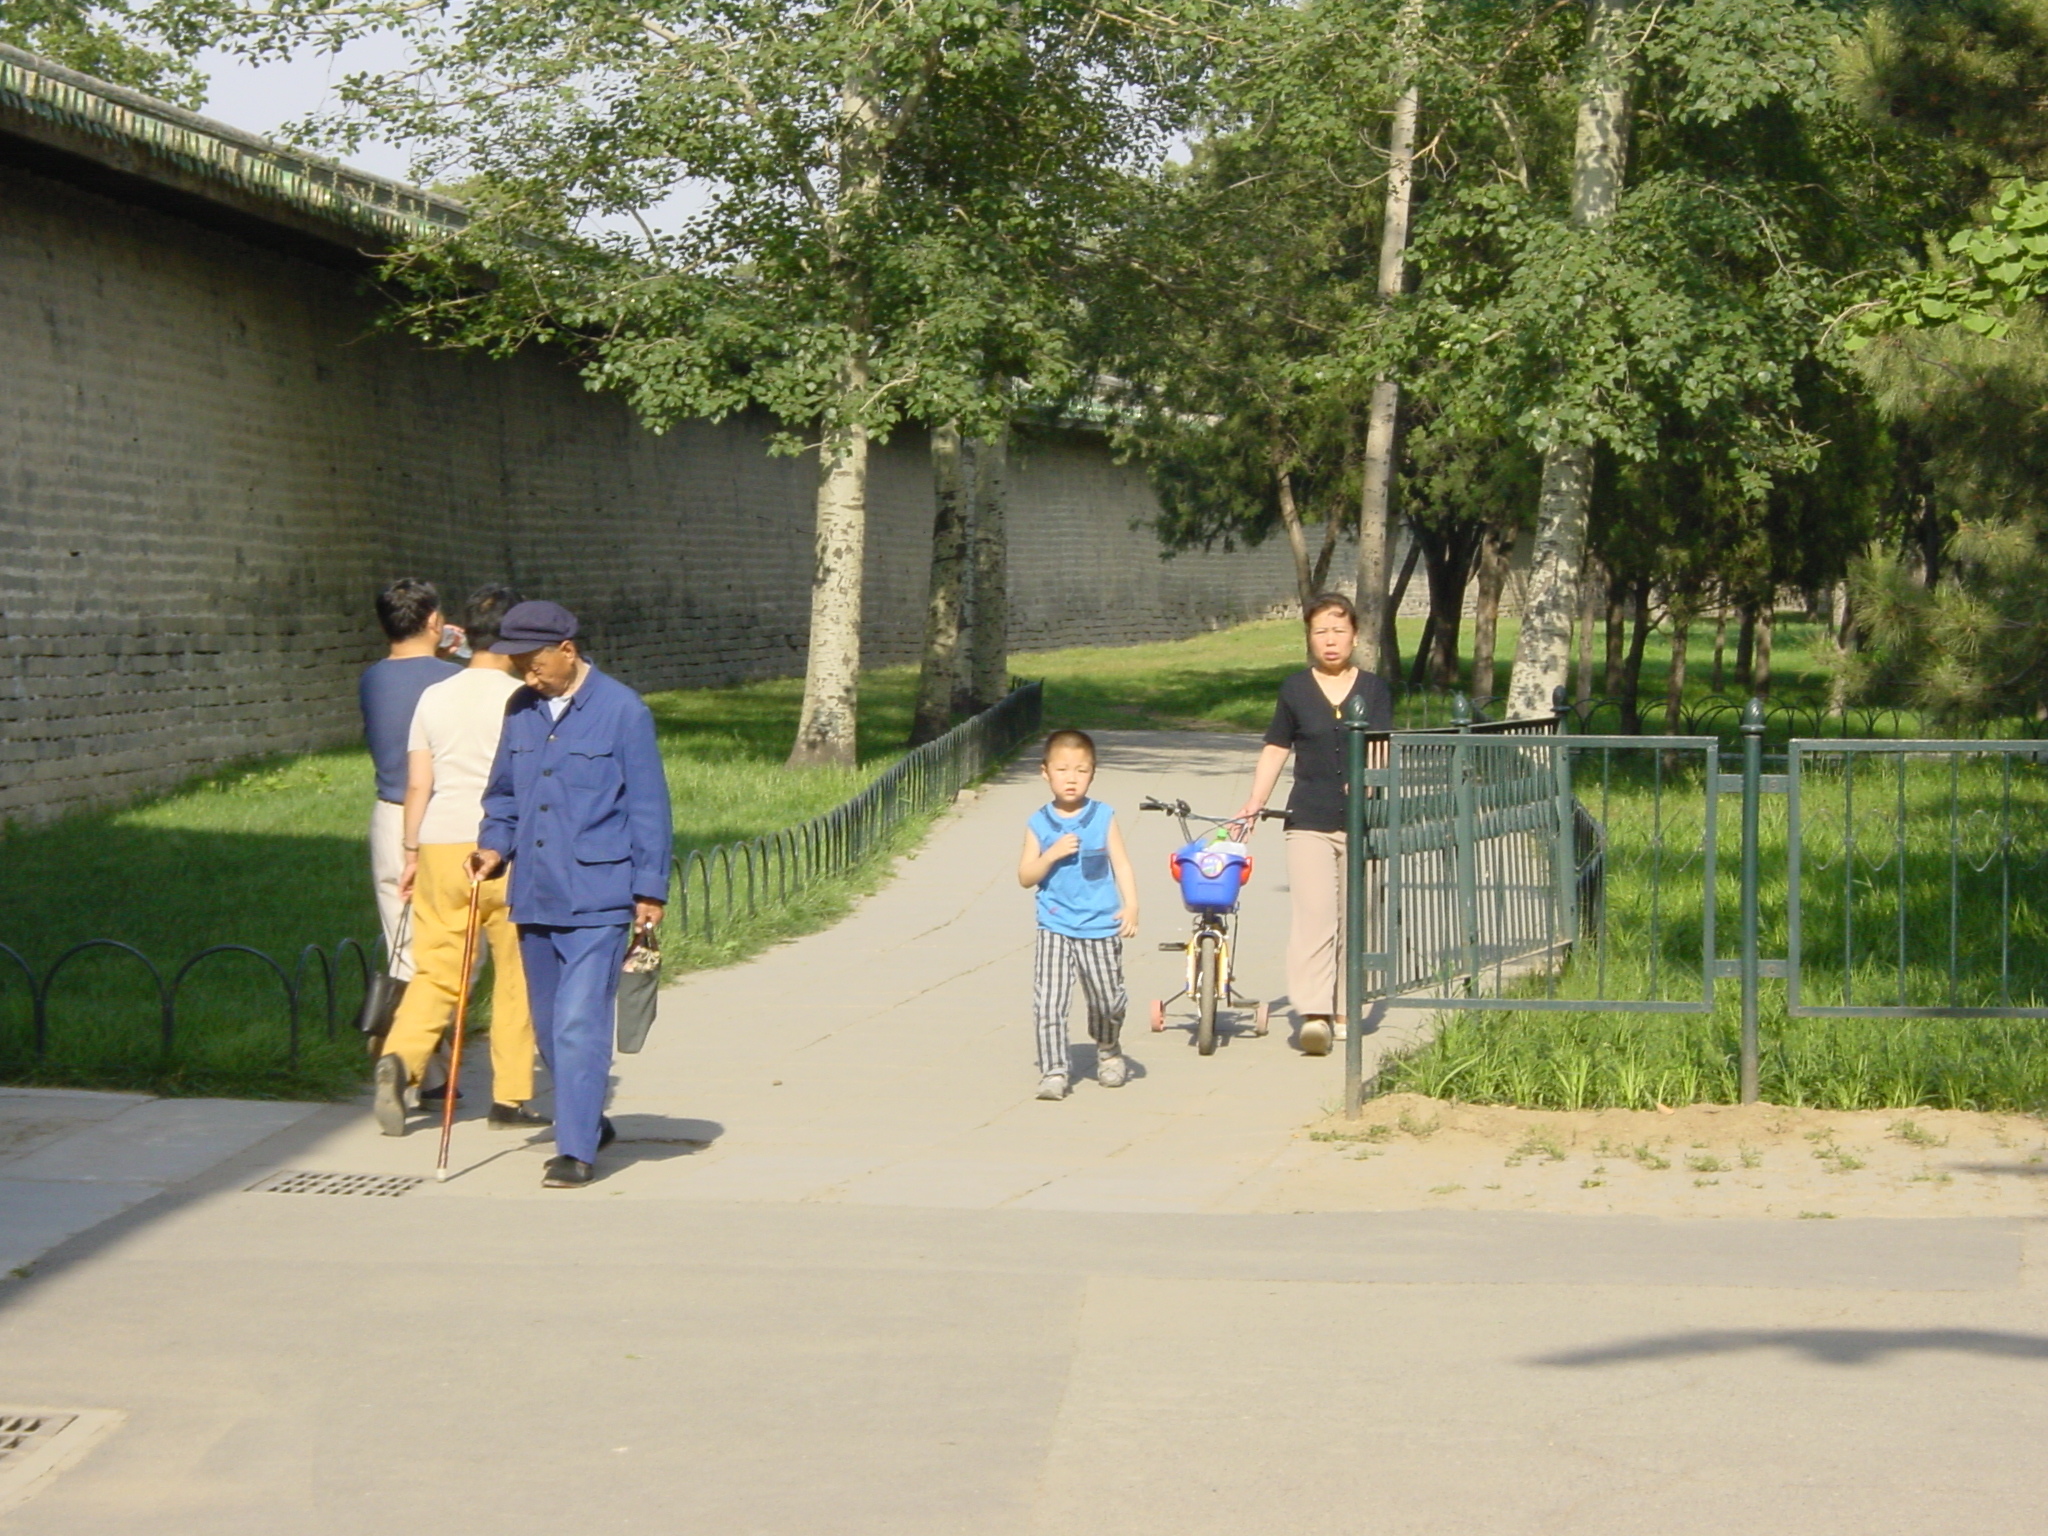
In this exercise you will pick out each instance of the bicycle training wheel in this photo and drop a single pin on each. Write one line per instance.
(1208, 983)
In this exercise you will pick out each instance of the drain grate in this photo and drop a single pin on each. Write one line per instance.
(38, 1443)
(23, 1433)
(296, 1181)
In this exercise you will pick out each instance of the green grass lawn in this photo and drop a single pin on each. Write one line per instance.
(271, 855)
(1225, 680)
(1920, 881)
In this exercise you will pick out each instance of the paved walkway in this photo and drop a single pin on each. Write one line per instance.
(844, 1274)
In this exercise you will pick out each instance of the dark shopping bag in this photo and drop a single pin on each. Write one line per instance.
(383, 992)
(639, 985)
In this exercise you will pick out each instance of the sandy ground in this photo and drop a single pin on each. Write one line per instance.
(1408, 1152)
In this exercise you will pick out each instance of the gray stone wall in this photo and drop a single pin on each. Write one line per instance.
(210, 459)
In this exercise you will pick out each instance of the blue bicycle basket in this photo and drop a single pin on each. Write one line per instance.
(1211, 874)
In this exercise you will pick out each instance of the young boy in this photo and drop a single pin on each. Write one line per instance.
(1087, 906)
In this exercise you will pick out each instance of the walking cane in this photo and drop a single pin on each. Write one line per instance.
(461, 1013)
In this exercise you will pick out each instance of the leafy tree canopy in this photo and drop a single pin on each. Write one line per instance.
(112, 40)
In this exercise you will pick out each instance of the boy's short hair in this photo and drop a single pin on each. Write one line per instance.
(1068, 738)
(404, 607)
(483, 614)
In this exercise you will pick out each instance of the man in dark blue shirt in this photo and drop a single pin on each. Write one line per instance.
(578, 802)
(410, 612)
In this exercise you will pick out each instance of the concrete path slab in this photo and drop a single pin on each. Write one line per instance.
(843, 1273)
(36, 1217)
(157, 1142)
(890, 1059)
(70, 1160)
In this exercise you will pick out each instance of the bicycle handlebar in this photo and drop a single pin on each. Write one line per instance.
(1182, 808)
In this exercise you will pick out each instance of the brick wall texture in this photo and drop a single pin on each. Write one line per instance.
(211, 458)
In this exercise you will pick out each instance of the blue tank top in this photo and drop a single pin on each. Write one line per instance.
(1078, 896)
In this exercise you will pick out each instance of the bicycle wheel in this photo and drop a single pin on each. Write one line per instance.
(1208, 985)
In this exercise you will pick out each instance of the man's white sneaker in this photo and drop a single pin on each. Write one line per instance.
(1053, 1086)
(1111, 1070)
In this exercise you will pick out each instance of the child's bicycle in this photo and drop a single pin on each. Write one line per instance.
(1210, 874)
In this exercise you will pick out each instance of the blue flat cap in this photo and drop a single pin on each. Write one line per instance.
(529, 626)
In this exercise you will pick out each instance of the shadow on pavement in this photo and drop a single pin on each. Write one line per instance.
(2024, 1170)
(1827, 1346)
(657, 1138)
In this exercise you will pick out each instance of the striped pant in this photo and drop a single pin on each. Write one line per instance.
(1100, 964)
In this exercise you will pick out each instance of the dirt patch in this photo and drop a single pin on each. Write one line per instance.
(1409, 1152)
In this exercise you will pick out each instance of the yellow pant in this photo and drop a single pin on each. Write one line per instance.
(440, 909)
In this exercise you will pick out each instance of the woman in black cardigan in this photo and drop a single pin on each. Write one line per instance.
(1305, 723)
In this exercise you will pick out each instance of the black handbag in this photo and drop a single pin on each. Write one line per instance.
(639, 987)
(383, 992)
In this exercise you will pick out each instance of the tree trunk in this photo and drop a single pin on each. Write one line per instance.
(1297, 539)
(1542, 655)
(1617, 635)
(1391, 642)
(1589, 603)
(1745, 647)
(828, 724)
(1760, 672)
(1319, 579)
(939, 678)
(1495, 551)
(1375, 534)
(1631, 679)
(1674, 687)
(1720, 642)
(1375, 613)
(826, 728)
(1418, 674)
(1843, 626)
(989, 670)
(1930, 532)
(1448, 551)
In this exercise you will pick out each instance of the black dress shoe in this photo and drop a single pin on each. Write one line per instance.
(565, 1173)
(437, 1093)
(514, 1117)
(607, 1133)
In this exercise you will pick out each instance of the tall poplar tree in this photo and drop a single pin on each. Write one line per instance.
(878, 203)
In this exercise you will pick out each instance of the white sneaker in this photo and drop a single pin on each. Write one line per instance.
(1341, 1030)
(1111, 1070)
(1053, 1086)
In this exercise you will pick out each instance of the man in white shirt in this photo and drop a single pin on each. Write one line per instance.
(453, 742)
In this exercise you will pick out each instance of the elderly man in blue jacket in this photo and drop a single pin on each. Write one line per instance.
(578, 802)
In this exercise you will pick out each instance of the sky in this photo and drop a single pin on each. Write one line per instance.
(261, 98)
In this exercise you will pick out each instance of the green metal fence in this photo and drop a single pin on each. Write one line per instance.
(716, 887)
(318, 992)
(1543, 870)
